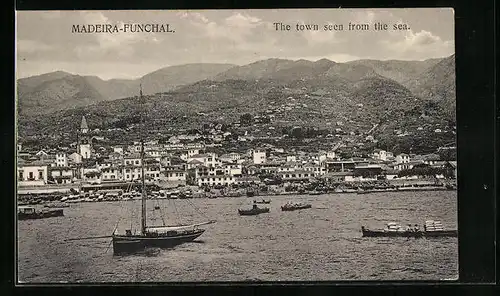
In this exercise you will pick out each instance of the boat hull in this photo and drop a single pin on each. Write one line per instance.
(416, 234)
(295, 208)
(126, 244)
(40, 215)
(253, 212)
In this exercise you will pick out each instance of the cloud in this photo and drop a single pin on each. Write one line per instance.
(227, 36)
(422, 43)
(422, 38)
(242, 21)
(32, 46)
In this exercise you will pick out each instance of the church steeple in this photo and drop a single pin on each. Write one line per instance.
(84, 140)
(83, 126)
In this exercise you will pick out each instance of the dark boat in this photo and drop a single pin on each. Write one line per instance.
(294, 207)
(250, 193)
(157, 207)
(394, 230)
(26, 213)
(253, 211)
(315, 192)
(153, 236)
(131, 243)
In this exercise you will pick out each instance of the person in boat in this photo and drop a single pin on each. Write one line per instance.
(254, 206)
(416, 228)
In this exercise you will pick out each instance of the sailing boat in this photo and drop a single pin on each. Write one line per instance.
(153, 236)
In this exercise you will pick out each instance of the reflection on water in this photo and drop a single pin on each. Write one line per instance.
(321, 243)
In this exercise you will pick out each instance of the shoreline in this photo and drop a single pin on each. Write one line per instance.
(35, 200)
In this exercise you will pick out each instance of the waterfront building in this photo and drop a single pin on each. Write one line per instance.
(32, 173)
(60, 174)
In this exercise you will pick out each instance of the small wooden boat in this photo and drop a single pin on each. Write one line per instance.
(26, 213)
(295, 206)
(157, 207)
(315, 192)
(253, 211)
(250, 193)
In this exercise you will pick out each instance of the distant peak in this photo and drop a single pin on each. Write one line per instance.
(55, 73)
(61, 72)
(324, 60)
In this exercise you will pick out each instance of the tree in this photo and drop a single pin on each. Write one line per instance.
(297, 133)
(246, 119)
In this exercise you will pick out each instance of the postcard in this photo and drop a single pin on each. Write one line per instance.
(271, 145)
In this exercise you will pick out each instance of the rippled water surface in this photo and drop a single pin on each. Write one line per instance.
(322, 243)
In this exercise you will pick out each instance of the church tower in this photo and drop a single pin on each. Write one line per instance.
(84, 140)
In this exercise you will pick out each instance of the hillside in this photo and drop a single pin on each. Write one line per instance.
(166, 79)
(400, 71)
(321, 95)
(283, 71)
(438, 84)
(59, 90)
(55, 91)
(317, 102)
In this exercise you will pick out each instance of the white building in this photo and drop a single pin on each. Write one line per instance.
(34, 173)
(175, 175)
(118, 149)
(402, 158)
(208, 159)
(233, 169)
(259, 156)
(132, 160)
(111, 173)
(61, 175)
(75, 158)
(379, 154)
(221, 180)
(331, 154)
(317, 169)
(189, 153)
(230, 157)
(61, 159)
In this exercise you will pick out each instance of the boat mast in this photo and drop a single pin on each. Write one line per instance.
(143, 216)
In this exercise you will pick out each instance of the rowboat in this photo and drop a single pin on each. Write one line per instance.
(295, 206)
(253, 211)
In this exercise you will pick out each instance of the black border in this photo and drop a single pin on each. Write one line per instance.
(475, 74)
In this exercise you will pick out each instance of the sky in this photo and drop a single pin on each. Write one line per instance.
(45, 41)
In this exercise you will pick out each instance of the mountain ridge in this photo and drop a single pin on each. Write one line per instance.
(66, 90)
(340, 82)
